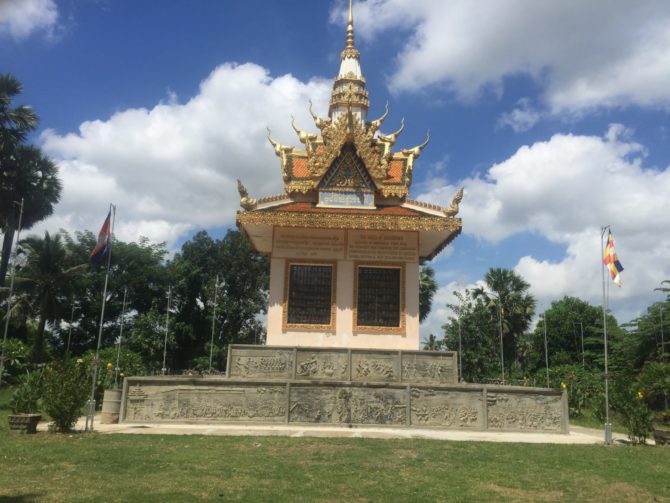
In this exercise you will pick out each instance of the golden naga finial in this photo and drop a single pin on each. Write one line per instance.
(452, 210)
(376, 124)
(281, 151)
(393, 136)
(320, 123)
(305, 138)
(416, 151)
(245, 201)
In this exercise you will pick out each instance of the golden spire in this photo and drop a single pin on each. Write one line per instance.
(349, 47)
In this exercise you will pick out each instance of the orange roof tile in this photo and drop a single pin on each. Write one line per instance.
(300, 169)
(395, 172)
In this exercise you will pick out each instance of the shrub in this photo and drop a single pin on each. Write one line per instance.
(16, 356)
(64, 392)
(27, 393)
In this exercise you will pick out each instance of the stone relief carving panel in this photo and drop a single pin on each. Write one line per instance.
(261, 363)
(347, 405)
(227, 403)
(446, 408)
(375, 366)
(524, 411)
(322, 365)
(429, 368)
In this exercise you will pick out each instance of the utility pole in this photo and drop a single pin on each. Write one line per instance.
(167, 324)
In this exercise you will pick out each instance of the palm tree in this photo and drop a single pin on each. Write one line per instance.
(31, 176)
(46, 278)
(427, 289)
(24, 172)
(506, 295)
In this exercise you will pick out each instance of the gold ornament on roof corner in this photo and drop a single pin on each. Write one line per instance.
(452, 210)
(391, 139)
(307, 139)
(281, 151)
(374, 126)
(245, 201)
(416, 151)
(320, 123)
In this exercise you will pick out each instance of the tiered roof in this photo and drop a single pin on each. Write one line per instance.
(349, 176)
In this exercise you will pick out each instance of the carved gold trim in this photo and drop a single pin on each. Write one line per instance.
(354, 221)
(400, 330)
(286, 326)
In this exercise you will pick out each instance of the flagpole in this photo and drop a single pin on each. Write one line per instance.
(11, 292)
(118, 349)
(211, 345)
(167, 324)
(608, 425)
(546, 347)
(96, 362)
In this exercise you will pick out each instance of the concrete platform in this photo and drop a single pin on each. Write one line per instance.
(577, 435)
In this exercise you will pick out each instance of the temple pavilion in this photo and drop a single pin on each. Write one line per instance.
(345, 241)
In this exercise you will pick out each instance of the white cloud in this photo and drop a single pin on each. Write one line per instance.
(564, 189)
(20, 18)
(582, 54)
(521, 118)
(173, 168)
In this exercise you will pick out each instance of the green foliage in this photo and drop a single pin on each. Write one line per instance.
(510, 305)
(427, 289)
(16, 357)
(655, 381)
(65, 392)
(27, 393)
(636, 416)
(479, 338)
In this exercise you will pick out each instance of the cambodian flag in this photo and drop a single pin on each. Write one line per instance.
(102, 247)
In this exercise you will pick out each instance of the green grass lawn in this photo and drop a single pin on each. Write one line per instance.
(86, 467)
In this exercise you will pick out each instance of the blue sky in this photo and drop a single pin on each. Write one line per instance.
(552, 115)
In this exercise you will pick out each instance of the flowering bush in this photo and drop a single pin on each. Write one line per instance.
(64, 392)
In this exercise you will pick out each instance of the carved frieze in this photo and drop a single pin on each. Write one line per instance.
(429, 368)
(261, 363)
(446, 408)
(347, 405)
(524, 412)
(367, 366)
(232, 403)
(322, 365)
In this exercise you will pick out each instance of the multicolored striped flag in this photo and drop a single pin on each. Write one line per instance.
(612, 261)
(102, 246)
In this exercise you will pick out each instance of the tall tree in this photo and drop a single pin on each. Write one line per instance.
(24, 172)
(427, 289)
(506, 295)
(47, 279)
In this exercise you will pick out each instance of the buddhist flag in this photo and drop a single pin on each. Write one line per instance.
(612, 261)
(102, 246)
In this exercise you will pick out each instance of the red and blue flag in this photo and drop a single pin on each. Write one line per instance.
(102, 247)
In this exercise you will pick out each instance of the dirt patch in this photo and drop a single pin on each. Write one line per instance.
(514, 494)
